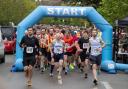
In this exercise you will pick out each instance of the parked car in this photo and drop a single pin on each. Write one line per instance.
(9, 37)
(2, 52)
(10, 44)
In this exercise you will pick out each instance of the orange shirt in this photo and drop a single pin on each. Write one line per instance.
(68, 42)
(43, 41)
(49, 41)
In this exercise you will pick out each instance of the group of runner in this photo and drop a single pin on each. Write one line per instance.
(61, 49)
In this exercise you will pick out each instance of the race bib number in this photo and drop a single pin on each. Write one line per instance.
(85, 45)
(95, 50)
(29, 50)
(59, 50)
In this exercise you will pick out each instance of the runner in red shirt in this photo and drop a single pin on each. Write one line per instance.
(69, 44)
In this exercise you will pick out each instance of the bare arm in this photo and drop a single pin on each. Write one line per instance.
(102, 43)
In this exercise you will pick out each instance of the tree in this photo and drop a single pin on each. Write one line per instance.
(94, 3)
(14, 10)
(114, 9)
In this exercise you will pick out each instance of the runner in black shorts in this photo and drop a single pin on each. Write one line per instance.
(38, 51)
(43, 45)
(57, 55)
(83, 48)
(29, 42)
(96, 45)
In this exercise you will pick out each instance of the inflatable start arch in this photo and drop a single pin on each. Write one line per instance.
(65, 11)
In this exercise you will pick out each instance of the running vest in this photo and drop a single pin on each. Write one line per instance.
(42, 41)
(68, 42)
(95, 44)
(49, 41)
(58, 47)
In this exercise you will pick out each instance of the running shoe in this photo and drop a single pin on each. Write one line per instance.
(86, 76)
(59, 80)
(51, 74)
(66, 70)
(42, 69)
(95, 82)
(29, 83)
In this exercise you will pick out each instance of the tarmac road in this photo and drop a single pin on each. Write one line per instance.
(74, 80)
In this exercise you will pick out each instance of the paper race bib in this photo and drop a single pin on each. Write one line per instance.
(59, 50)
(95, 50)
(85, 45)
(29, 50)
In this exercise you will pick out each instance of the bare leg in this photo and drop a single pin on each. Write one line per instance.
(42, 66)
(26, 71)
(65, 64)
(86, 66)
(60, 71)
(52, 67)
(60, 67)
(30, 76)
(94, 70)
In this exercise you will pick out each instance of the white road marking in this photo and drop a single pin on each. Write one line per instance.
(106, 85)
(95, 88)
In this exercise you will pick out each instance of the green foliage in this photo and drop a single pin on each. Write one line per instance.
(111, 10)
(17, 10)
(78, 21)
(94, 3)
(114, 9)
(14, 10)
(66, 21)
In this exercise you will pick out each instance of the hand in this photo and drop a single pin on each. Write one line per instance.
(51, 54)
(65, 50)
(87, 53)
(80, 50)
(40, 53)
(99, 49)
(23, 45)
(68, 47)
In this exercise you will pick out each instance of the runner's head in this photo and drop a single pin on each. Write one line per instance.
(57, 30)
(30, 31)
(38, 32)
(26, 32)
(94, 32)
(51, 31)
(58, 36)
(67, 34)
(85, 35)
(43, 31)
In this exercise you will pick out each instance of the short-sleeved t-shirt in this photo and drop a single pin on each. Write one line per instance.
(31, 43)
(83, 43)
(95, 44)
(68, 42)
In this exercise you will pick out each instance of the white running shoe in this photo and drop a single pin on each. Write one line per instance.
(59, 80)
(51, 74)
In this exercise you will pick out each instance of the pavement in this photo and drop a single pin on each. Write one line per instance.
(74, 80)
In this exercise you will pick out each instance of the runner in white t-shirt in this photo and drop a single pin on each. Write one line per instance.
(96, 45)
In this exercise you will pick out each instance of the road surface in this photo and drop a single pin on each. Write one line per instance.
(74, 80)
